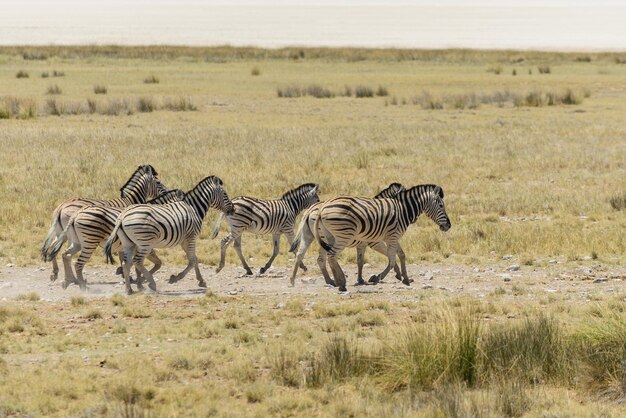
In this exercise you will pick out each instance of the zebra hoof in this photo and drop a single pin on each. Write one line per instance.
(331, 283)
(249, 272)
(152, 286)
(83, 286)
(343, 289)
(53, 277)
(140, 287)
(129, 291)
(217, 270)
(172, 279)
(202, 283)
(262, 270)
(65, 284)
(304, 268)
(407, 282)
(119, 271)
(360, 282)
(374, 279)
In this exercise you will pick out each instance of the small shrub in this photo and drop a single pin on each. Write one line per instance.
(92, 106)
(118, 107)
(180, 104)
(21, 74)
(363, 91)
(53, 89)
(394, 101)
(284, 369)
(319, 92)
(585, 58)
(32, 297)
(544, 69)
(347, 91)
(78, 301)
(151, 80)
(290, 91)
(534, 99)
(570, 98)
(382, 91)
(255, 71)
(512, 400)
(231, 324)
(56, 73)
(13, 107)
(93, 314)
(53, 107)
(514, 72)
(146, 104)
(45, 74)
(618, 202)
(118, 300)
(99, 89)
(34, 56)
(497, 69)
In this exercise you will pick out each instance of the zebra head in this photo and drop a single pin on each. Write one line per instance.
(434, 208)
(302, 196)
(143, 185)
(390, 192)
(210, 193)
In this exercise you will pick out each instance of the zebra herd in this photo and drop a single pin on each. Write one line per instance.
(148, 216)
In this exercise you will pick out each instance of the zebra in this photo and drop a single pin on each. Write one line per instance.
(345, 219)
(306, 235)
(90, 226)
(140, 228)
(142, 186)
(258, 216)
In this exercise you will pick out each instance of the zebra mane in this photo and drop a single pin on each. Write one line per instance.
(168, 196)
(208, 179)
(425, 187)
(303, 188)
(387, 190)
(142, 169)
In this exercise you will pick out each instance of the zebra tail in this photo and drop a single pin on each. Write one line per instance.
(56, 247)
(108, 244)
(304, 222)
(50, 238)
(323, 244)
(216, 228)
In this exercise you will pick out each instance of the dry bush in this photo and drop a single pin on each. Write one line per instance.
(497, 69)
(56, 73)
(179, 104)
(382, 91)
(544, 69)
(319, 92)
(255, 71)
(35, 55)
(100, 89)
(45, 74)
(618, 202)
(363, 91)
(13, 107)
(152, 79)
(21, 74)
(146, 104)
(289, 91)
(53, 89)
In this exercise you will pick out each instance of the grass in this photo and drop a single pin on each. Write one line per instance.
(517, 180)
(100, 89)
(54, 89)
(151, 80)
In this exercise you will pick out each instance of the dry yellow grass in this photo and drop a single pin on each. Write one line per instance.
(539, 183)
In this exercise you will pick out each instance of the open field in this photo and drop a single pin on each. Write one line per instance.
(542, 183)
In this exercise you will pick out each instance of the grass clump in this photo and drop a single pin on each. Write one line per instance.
(319, 92)
(13, 107)
(78, 301)
(179, 104)
(382, 91)
(255, 71)
(544, 69)
(497, 69)
(56, 73)
(54, 89)
(583, 58)
(618, 201)
(100, 89)
(21, 74)
(93, 314)
(152, 79)
(31, 297)
(45, 74)
(146, 104)
(363, 91)
(35, 56)
(289, 91)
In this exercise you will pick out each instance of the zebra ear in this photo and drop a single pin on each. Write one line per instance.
(316, 189)
(439, 191)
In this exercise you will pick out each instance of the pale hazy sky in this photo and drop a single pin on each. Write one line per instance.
(543, 24)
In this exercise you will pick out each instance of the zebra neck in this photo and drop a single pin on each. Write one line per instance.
(198, 202)
(412, 207)
(295, 204)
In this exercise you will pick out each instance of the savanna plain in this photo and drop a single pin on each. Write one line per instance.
(518, 310)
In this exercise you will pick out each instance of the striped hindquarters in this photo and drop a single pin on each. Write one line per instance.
(261, 216)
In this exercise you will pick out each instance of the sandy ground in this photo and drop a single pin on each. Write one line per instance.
(581, 283)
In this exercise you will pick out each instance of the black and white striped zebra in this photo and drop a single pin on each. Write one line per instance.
(88, 229)
(141, 228)
(306, 235)
(345, 219)
(142, 186)
(261, 217)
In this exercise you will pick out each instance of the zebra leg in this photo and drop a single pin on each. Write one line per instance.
(239, 252)
(276, 242)
(55, 270)
(360, 260)
(223, 246)
(404, 274)
(382, 248)
(156, 260)
(305, 243)
(67, 264)
(290, 237)
(85, 255)
(142, 271)
(338, 274)
(391, 255)
(321, 262)
(190, 250)
(120, 269)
